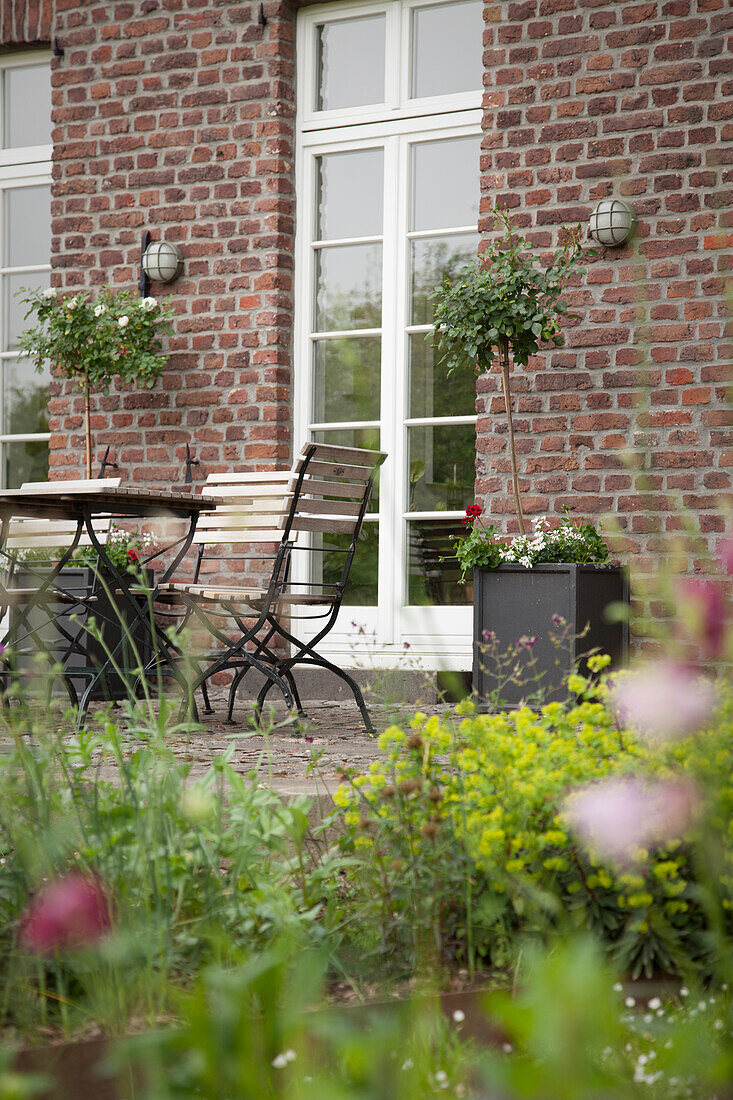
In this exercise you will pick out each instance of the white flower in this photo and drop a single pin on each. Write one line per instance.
(50, 292)
(123, 321)
(655, 1003)
(459, 1016)
(99, 310)
(149, 303)
(408, 1064)
(441, 1076)
(281, 1060)
(629, 1002)
(72, 303)
(618, 988)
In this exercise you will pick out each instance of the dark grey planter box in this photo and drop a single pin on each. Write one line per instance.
(78, 580)
(513, 602)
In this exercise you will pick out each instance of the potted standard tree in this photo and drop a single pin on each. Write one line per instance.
(505, 306)
(92, 341)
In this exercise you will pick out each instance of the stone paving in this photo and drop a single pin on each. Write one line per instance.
(332, 734)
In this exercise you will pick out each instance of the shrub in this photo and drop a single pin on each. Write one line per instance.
(474, 813)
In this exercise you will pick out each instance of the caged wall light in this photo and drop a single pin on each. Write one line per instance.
(612, 223)
(160, 262)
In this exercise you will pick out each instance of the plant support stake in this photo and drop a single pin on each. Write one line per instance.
(508, 404)
(88, 427)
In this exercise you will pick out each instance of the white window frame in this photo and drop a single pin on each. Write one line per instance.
(437, 636)
(24, 166)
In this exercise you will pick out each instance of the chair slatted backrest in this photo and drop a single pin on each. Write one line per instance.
(255, 511)
(332, 493)
(326, 493)
(44, 534)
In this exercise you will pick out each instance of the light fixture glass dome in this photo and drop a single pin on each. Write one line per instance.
(162, 262)
(612, 222)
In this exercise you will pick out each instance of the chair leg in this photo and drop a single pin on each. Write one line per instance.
(238, 677)
(355, 689)
(208, 709)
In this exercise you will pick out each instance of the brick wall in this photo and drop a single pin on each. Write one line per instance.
(178, 118)
(25, 22)
(585, 100)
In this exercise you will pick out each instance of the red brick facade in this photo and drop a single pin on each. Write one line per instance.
(179, 117)
(25, 22)
(587, 100)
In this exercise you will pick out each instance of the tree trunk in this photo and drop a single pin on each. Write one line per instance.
(512, 448)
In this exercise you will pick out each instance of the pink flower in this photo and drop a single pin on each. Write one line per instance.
(702, 606)
(617, 818)
(663, 700)
(71, 912)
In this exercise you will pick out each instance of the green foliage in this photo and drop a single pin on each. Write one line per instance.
(246, 1033)
(462, 828)
(90, 341)
(197, 869)
(568, 1013)
(125, 549)
(503, 296)
(572, 540)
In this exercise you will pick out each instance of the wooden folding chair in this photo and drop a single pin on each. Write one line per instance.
(326, 493)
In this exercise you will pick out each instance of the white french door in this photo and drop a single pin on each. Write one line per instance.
(25, 254)
(388, 193)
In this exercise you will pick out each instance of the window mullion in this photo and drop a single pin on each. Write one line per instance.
(391, 399)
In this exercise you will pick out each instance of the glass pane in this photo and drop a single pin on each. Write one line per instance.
(346, 378)
(447, 47)
(14, 321)
(445, 183)
(25, 462)
(432, 392)
(27, 102)
(350, 193)
(442, 467)
(431, 260)
(27, 226)
(350, 63)
(430, 579)
(25, 397)
(361, 590)
(355, 437)
(361, 587)
(349, 287)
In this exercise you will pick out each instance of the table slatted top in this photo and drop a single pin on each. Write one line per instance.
(118, 502)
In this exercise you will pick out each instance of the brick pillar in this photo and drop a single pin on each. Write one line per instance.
(179, 119)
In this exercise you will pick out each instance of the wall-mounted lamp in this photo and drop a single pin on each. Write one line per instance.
(612, 223)
(160, 261)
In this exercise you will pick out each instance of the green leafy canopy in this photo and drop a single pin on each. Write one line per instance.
(91, 341)
(504, 296)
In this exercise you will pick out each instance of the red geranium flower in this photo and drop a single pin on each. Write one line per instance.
(472, 513)
(133, 555)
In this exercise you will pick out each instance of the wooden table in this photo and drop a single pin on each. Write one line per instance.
(81, 507)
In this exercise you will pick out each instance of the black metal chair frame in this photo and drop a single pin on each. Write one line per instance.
(250, 651)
